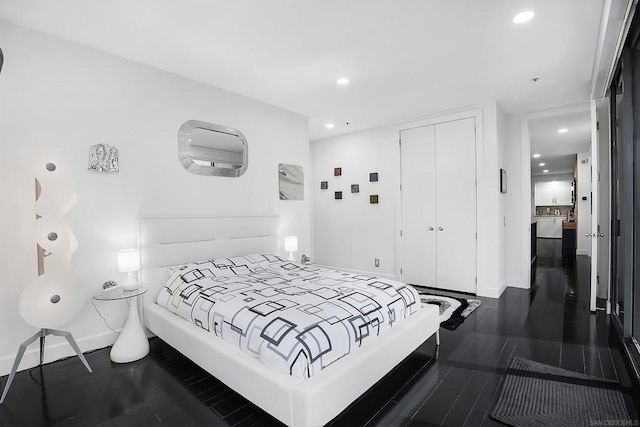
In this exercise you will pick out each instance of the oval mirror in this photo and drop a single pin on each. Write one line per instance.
(208, 149)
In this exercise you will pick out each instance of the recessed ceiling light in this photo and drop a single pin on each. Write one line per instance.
(523, 17)
(546, 171)
(329, 125)
(535, 156)
(342, 81)
(563, 130)
(542, 164)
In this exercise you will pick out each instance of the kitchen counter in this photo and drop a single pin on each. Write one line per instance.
(569, 225)
(550, 226)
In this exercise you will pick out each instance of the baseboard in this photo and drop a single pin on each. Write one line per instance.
(491, 292)
(516, 282)
(58, 350)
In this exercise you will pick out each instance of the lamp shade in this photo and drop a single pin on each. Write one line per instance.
(57, 196)
(55, 201)
(53, 236)
(291, 243)
(50, 301)
(61, 261)
(128, 260)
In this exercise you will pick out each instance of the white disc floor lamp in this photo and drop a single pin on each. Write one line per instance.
(50, 300)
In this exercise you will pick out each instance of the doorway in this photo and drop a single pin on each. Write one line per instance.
(586, 244)
(560, 186)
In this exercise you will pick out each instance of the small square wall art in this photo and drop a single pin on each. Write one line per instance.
(324, 185)
(337, 171)
(373, 177)
(338, 195)
(373, 199)
(355, 188)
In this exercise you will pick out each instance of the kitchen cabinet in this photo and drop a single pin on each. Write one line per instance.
(438, 207)
(550, 226)
(554, 193)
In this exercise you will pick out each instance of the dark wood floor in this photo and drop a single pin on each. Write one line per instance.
(550, 323)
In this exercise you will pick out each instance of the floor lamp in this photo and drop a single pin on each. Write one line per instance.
(50, 301)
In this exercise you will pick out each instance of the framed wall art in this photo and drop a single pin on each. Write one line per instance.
(503, 181)
(373, 199)
(373, 177)
(355, 188)
(337, 171)
(338, 195)
(324, 185)
(291, 178)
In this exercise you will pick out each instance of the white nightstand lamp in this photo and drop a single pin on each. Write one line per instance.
(291, 245)
(132, 344)
(129, 262)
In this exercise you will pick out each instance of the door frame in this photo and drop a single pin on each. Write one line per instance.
(603, 267)
(525, 159)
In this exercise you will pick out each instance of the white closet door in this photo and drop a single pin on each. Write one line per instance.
(456, 205)
(418, 239)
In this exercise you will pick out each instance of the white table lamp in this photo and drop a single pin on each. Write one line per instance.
(291, 245)
(129, 262)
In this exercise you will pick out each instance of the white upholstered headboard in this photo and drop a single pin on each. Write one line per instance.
(171, 241)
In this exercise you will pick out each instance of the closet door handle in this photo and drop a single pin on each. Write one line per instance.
(430, 228)
(440, 228)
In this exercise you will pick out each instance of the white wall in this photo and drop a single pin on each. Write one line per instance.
(56, 100)
(502, 152)
(513, 202)
(350, 233)
(583, 184)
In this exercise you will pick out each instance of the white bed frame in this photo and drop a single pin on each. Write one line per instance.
(294, 401)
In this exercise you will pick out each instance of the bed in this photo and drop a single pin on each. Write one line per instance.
(293, 400)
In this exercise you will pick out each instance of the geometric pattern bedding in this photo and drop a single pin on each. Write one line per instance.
(294, 318)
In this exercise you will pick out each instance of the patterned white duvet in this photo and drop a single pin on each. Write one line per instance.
(293, 318)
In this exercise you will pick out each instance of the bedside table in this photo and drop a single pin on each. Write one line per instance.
(132, 343)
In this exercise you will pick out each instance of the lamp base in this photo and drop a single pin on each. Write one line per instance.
(291, 258)
(131, 283)
(41, 334)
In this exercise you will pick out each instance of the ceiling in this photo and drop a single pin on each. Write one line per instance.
(558, 150)
(405, 59)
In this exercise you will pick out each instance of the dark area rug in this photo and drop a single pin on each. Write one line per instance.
(535, 394)
(453, 311)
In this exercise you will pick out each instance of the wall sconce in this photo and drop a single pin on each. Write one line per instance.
(129, 262)
(291, 245)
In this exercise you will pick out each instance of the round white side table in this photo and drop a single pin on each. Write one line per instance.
(132, 343)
